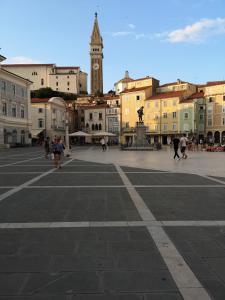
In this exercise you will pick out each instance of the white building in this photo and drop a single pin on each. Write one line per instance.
(15, 123)
(122, 84)
(49, 118)
(68, 79)
(113, 115)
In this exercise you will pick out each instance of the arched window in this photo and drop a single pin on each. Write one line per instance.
(40, 123)
(42, 81)
(87, 125)
(100, 126)
(22, 112)
(96, 126)
(14, 136)
(93, 127)
(217, 137)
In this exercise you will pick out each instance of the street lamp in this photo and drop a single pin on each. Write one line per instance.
(67, 148)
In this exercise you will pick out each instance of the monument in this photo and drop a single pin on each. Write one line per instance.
(140, 129)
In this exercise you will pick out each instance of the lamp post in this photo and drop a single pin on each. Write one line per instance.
(67, 148)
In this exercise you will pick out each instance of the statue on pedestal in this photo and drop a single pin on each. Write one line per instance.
(140, 114)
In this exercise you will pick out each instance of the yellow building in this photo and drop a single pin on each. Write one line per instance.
(214, 93)
(132, 99)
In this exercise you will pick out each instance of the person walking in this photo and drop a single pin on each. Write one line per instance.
(183, 144)
(102, 142)
(57, 150)
(47, 147)
(176, 143)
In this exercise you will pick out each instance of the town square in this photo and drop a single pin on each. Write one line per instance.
(112, 146)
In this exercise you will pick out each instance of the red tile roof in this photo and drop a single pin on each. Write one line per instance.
(211, 83)
(196, 95)
(29, 65)
(166, 95)
(69, 67)
(172, 83)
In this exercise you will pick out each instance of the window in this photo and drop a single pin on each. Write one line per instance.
(96, 126)
(156, 117)
(174, 126)
(174, 114)
(137, 97)
(42, 81)
(100, 116)
(223, 109)
(164, 127)
(40, 123)
(4, 108)
(14, 110)
(201, 117)
(211, 99)
(156, 104)
(164, 103)
(3, 85)
(186, 127)
(40, 110)
(127, 124)
(56, 77)
(209, 110)
(156, 127)
(22, 112)
(223, 98)
(165, 115)
(68, 89)
(22, 92)
(82, 119)
(68, 83)
(223, 121)
(186, 115)
(68, 76)
(34, 73)
(93, 127)
(209, 122)
(117, 102)
(174, 102)
(80, 85)
(90, 116)
(57, 84)
(14, 89)
(100, 127)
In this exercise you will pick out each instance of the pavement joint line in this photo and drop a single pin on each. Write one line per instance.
(94, 224)
(122, 186)
(179, 270)
(21, 172)
(18, 162)
(25, 184)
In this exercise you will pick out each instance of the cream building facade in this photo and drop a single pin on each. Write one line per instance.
(15, 122)
(69, 79)
(49, 117)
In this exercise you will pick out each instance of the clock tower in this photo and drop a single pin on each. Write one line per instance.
(96, 46)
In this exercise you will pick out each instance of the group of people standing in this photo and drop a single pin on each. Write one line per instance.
(183, 145)
(54, 149)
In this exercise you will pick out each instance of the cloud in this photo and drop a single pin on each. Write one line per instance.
(122, 33)
(132, 26)
(141, 36)
(197, 32)
(21, 60)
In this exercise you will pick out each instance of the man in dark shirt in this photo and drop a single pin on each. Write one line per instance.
(176, 143)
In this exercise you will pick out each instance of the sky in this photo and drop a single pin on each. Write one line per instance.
(165, 39)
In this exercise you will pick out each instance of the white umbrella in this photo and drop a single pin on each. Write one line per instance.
(103, 133)
(79, 133)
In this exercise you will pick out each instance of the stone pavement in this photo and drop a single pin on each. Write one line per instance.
(111, 226)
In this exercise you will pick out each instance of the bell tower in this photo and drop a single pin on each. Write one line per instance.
(96, 55)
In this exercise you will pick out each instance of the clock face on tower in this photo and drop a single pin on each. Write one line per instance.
(95, 66)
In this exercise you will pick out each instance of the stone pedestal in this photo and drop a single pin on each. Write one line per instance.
(140, 134)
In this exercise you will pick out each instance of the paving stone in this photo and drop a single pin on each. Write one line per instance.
(138, 281)
(25, 297)
(23, 264)
(11, 284)
(164, 296)
(108, 297)
(14, 179)
(215, 288)
(24, 169)
(131, 169)
(169, 179)
(185, 204)
(48, 205)
(55, 179)
(218, 266)
(63, 283)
